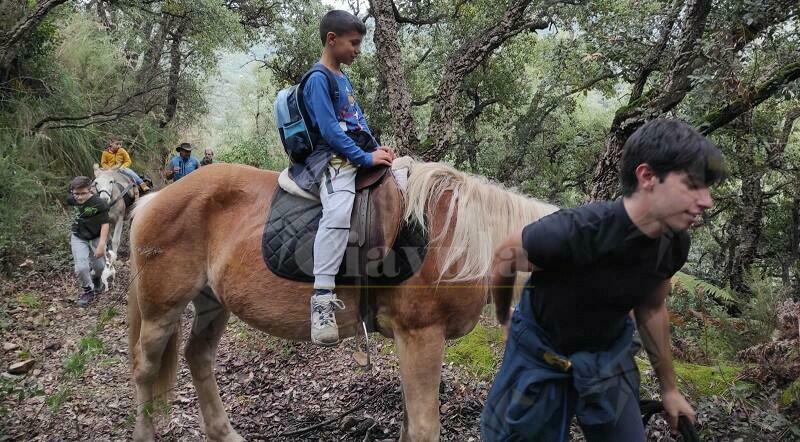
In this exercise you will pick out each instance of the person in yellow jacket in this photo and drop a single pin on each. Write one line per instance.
(115, 155)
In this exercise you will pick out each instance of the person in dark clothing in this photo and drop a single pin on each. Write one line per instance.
(568, 350)
(88, 237)
(208, 157)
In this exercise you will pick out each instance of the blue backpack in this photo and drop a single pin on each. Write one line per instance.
(298, 134)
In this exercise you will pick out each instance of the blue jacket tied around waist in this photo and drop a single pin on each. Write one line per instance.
(528, 400)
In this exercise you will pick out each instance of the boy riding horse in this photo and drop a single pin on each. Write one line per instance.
(343, 143)
(116, 156)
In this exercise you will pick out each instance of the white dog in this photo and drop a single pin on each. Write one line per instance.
(109, 271)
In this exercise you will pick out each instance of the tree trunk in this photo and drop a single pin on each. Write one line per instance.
(795, 245)
(392, 71)
(149, 68)
(175, 57)
(654, 104)
(751, 209)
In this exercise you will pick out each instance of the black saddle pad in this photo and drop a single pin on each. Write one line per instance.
(287, 245)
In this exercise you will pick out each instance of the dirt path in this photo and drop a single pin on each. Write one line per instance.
(269, 386)
(79, 386)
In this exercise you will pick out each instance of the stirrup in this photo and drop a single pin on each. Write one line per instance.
(366, 346)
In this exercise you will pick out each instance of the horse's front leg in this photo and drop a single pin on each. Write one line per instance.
(116, 238)
(421, 352)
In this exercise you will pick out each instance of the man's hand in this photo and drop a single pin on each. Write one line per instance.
(382, 157)
(100, 251)
(675, 405)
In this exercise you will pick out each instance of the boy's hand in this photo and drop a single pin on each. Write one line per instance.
(382, 157)
(100, 252)
(389, 149)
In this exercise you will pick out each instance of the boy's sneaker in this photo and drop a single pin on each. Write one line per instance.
(86, 297)
(324, 330)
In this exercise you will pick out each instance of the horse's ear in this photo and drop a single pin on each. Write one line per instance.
(96, 170)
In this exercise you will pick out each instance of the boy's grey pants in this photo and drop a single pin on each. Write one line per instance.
(85, 262)
(337, 193)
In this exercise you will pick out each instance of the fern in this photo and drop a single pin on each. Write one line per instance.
(696, 285)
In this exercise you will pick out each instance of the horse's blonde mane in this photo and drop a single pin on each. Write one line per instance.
(486, 213)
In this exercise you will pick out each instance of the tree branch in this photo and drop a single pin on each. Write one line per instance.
(423, 101)
(749, 99)
(104, 113)
(650, 63)
(465, 60)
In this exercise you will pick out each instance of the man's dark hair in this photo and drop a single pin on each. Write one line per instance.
(80, 182)
(669, 146)
(340, 22)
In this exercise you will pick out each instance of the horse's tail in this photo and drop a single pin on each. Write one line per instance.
(167, 373)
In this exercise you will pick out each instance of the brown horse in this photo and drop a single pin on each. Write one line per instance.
(208, 252)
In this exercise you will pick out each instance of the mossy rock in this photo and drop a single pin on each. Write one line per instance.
(791, 395)
(479, 351)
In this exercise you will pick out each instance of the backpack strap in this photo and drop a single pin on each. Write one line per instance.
(333, 88)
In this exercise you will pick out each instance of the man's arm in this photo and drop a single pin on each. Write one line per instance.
(101, 245)
(509, 258)
(170, 170)
(652, 319)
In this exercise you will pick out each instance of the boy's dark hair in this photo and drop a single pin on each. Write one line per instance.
(668, 146)
(340, 22)
(80, 182)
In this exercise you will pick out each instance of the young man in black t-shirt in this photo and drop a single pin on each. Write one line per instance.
(88, 238)
(568, 350)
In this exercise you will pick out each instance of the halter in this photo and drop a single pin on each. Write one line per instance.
(122, 192)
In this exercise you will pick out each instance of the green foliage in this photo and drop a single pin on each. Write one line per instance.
(759, 314)
(699, 286)
(156, 407)
(477, 351)
(25, 353)
(791, 394)
(257, 152)
(29, 301)
(91, 345)
(108, 314)
(17, 388)
(703, 380)
(75, 364)
(59, 398)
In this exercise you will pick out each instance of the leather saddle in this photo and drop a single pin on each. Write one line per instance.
(382, 248)
(294, 217)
